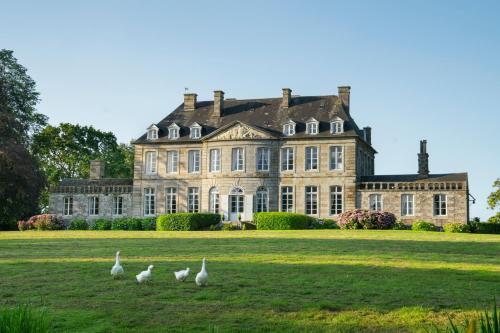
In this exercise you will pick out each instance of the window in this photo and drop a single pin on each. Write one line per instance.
(214, 160)
(289, 128)
(193, 200)
(238, 160)
(335, 200)
(172, 161)
(193, 161)
(195, 131)
(173, 131)
(94, 206)
(152, 133)
(406, 204)
(170, 200)
(261, 198)
(375, 202)
(440, 204)
(312, 127)
(263, 159)
(287, 159)
(335, 158)
(337, 127)
(149, 201)
(237, 200)
(311, 200)
(151, 162)
(213, 200)
(68, 206)
(117, 205)
(287, 199)
(311, 158)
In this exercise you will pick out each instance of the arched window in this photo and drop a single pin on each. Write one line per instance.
(236, 191)
(262, 200)
(213, 200)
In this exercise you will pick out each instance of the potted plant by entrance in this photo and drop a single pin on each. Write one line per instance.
(239, 220)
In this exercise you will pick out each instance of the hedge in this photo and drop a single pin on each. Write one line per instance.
(126, 223)
(456, 227)
(324, 224)
(363, 219)
(486, 228)
(78, 224)
(101, 224)
(281, 221)
(186, 221)
(420, 225)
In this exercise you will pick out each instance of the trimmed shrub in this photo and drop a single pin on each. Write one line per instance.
(420, 225)
(281, 221)
(400, 226)
(78, 224)
(324, 224)
(486, 228)
(148, 223)
(456, 227)
(229, 227)
(101, 224)
(363, 219)
(248, 226)
(186, 221)
(126, 223)
(46, 222)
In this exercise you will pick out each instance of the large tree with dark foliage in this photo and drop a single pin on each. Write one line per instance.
(21, 181)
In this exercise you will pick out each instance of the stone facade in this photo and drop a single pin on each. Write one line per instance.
(323, 122)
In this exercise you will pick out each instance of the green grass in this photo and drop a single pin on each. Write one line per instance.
(260, 281)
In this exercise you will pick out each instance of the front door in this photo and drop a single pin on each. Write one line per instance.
(236, 206)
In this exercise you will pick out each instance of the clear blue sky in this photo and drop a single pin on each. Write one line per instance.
(421, 69)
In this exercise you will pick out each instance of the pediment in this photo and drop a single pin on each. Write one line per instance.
(240, 131)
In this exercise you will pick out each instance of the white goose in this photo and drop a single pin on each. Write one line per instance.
(182, 275)
(202, 276)
(117, 269)
(144, 276)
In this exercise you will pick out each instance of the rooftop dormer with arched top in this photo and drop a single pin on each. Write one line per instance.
(173, 131)
(152, 133)
(195, 131)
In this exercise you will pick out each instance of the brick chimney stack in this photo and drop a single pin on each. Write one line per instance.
(345, 96)
(367, 131)
(423, 159)
(287, 98)
(218, 103)
(96, 169)
(190, 102)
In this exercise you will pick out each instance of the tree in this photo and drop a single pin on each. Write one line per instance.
(494, 197)
(18, 97)
(21, 181)
(65, 151)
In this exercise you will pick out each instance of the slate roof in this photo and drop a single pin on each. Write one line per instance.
(445, 177)
(265, 114)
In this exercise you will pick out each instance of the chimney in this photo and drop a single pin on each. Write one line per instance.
(96, 169)
(423, 159)
(189, 102)
(218, 103)
(367, 131)
(287, 98)
(345, 96)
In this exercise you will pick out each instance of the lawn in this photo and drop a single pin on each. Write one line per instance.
(260, 281)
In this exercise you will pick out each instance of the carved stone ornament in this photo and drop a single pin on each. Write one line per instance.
(240, 131)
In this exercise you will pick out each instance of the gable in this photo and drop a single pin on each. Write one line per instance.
(239, 131)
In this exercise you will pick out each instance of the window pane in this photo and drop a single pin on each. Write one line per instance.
(335, 200)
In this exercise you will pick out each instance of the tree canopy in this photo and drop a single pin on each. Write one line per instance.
(494, 197)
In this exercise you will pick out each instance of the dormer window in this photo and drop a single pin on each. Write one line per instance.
(195, 131)
(337, 126)
(312, 126)
(289, 128)
(152, 132)
(173, 132)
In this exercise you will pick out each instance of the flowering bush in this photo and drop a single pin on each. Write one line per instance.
(363, 219)
(420, 225)
(24, 225)
(456, 227)
(46, 222)
(324, 224)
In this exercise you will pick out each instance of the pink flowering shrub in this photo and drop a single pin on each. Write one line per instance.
(24, 225)
(46, 222)
(363, 219)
